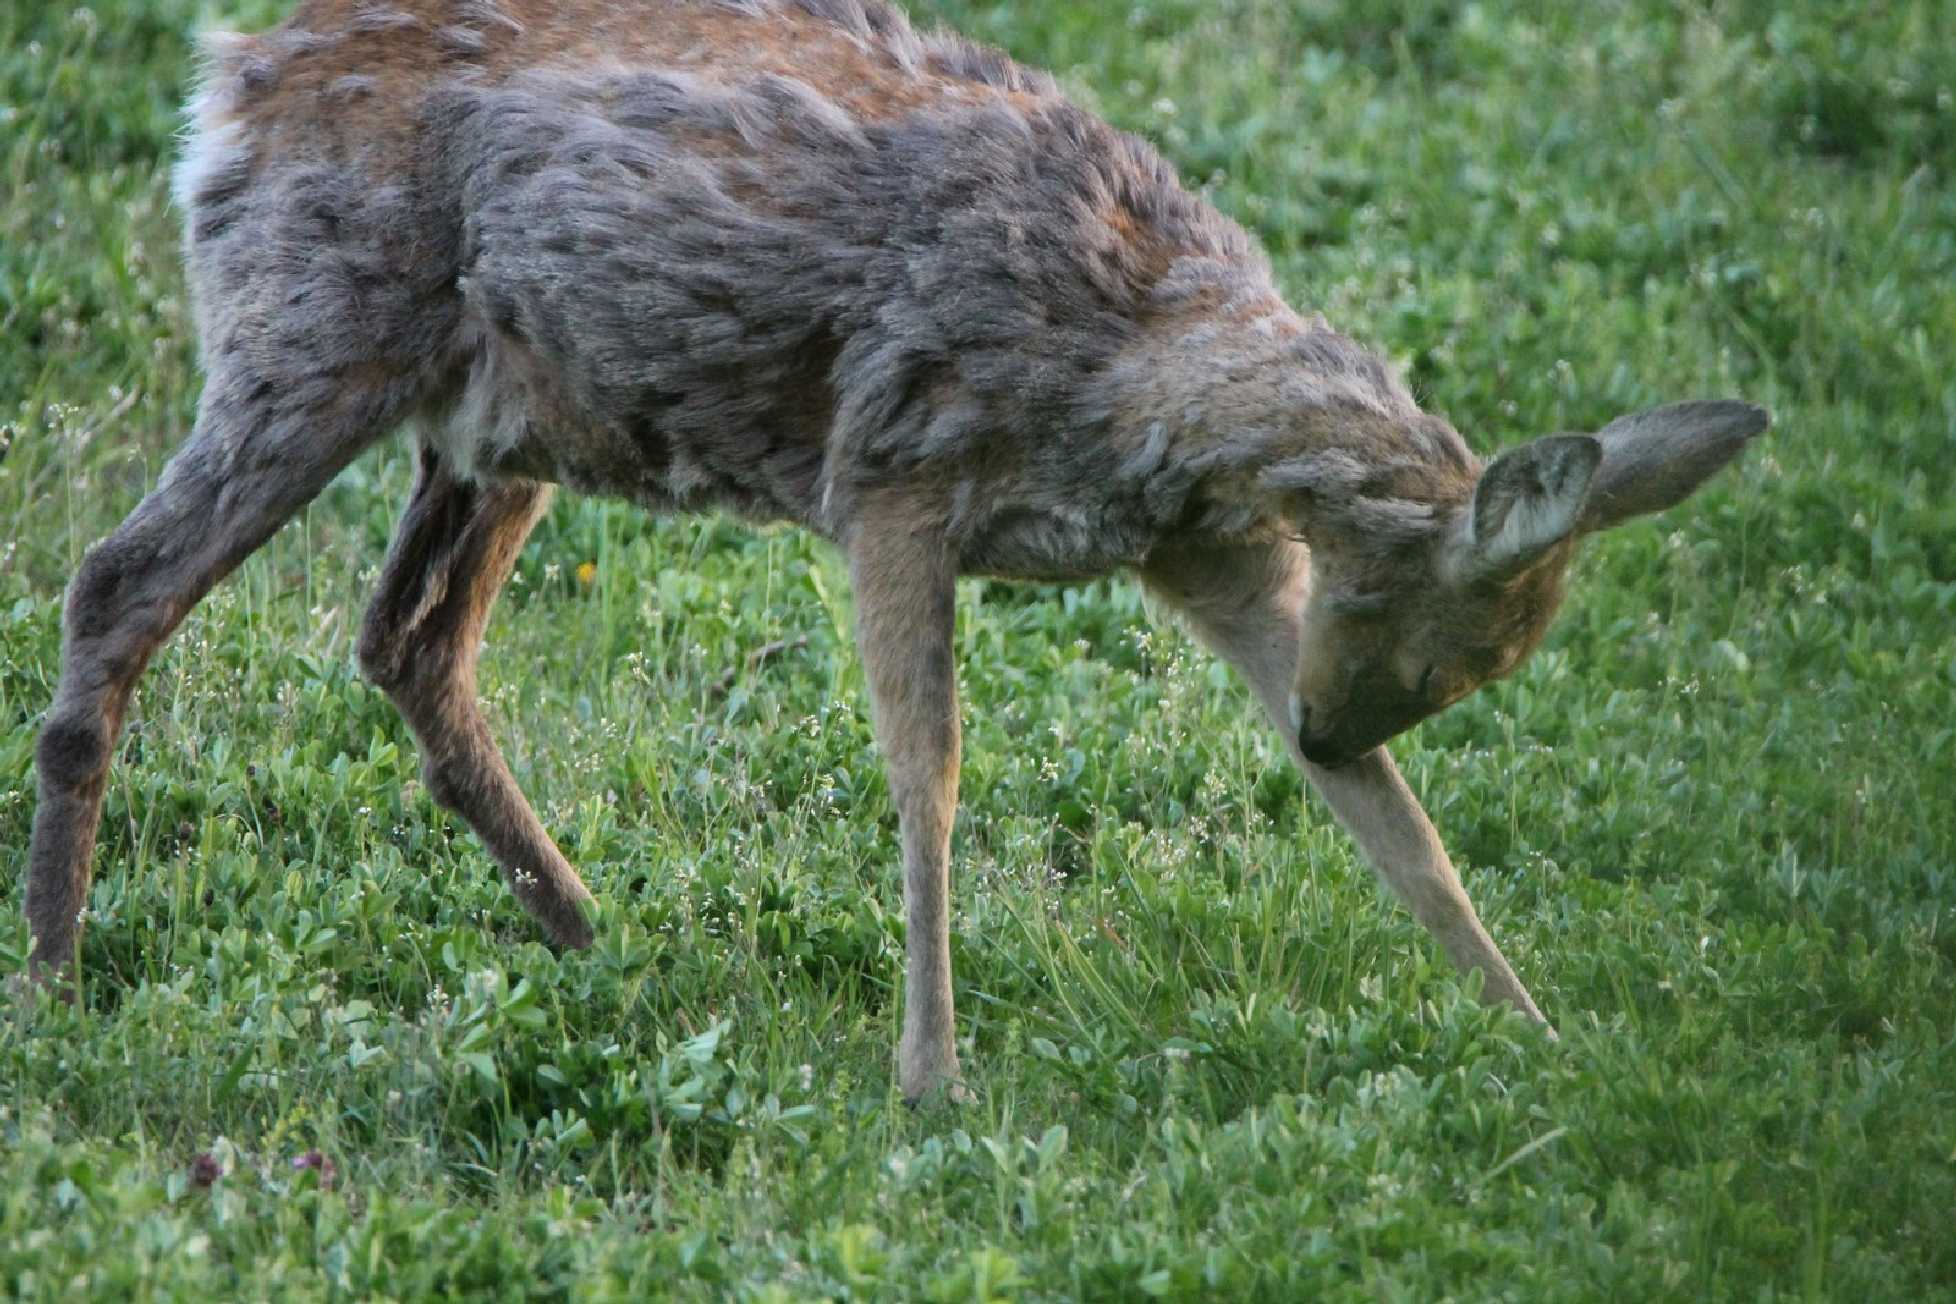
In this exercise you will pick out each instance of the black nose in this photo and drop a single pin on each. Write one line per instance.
(1318, 751)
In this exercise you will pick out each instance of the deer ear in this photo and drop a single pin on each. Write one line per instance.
(1656, 458)
(1528, 500)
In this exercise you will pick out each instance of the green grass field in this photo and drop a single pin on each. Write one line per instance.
(1711, 822)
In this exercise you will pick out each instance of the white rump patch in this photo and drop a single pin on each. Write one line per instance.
(213, 137)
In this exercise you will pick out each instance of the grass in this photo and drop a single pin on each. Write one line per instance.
(1711, 822)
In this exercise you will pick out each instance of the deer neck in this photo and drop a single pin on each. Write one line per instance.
(1261, 413)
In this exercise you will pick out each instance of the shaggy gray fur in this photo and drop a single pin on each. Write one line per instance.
(775, 306)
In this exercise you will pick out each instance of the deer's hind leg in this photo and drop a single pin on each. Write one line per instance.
(264, 445)
(454, 549)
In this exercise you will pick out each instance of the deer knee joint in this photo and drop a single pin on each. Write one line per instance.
(73, 751)
(93, 596)
(379, 654)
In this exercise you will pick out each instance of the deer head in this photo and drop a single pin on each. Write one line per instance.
(1415, 603)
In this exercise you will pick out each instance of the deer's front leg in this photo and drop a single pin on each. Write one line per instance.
(905, 587)
(1376, 807)
(1244, 603)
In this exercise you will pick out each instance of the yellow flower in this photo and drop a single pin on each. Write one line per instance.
(587, 572)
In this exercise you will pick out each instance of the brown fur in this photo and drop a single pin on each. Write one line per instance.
(316, 75)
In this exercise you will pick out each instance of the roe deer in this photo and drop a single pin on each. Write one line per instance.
(797, 260)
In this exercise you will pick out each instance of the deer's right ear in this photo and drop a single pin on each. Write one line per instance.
(1658, 457)
(1527, 501)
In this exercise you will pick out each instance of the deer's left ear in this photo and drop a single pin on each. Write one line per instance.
(1528, 500)
(1656, 458)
